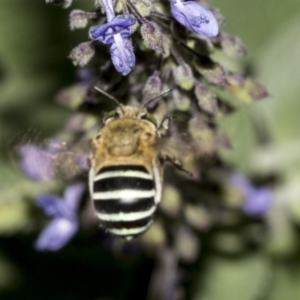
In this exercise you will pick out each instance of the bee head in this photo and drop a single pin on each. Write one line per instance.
(139, 113)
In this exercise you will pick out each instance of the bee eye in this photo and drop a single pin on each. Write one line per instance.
(112, 114)
(98, 137)
(147, 135)
(117, 114)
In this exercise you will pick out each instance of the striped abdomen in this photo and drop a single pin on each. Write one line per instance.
(124, 199)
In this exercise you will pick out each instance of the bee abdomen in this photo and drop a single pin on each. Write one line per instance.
(124, 199)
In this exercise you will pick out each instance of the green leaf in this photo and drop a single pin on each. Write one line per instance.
(243, 278)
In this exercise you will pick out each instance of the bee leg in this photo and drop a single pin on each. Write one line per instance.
(164, 125)
(170, 157)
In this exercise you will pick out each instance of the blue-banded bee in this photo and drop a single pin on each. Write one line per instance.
(126, 174)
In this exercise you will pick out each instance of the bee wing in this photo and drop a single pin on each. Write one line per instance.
(52, 158)
(72, 160)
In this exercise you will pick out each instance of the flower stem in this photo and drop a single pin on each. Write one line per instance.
(177, 56)
(124, 6)
(108, 8)
(160, 15)
(137, 14)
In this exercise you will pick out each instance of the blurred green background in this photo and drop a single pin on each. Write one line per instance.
(34, 44)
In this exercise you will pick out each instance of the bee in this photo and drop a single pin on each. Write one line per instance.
(126, 172)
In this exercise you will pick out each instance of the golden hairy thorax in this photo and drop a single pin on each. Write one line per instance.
(126, 140)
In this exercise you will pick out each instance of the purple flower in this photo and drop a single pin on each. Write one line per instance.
(257, 200)
(195, 17)
(119, 24)
(65, 221)
(36, 162)
(122, 55)
(116, 32)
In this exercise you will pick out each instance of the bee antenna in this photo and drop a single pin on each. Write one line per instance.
(108, 96)
(157, 97)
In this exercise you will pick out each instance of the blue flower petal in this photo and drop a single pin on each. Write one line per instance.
(195, 17)
(122, 55)
(258, 202)
(36, 163)
(57, 234)
(242, 183)
(119, 24)
(73, 195)
(51, 204)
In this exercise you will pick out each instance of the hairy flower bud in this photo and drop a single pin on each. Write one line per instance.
(79, 19)
(152, 88)
(203, 136)
(72, 96)
(233, 46)
(245, 89)
(207, 100)
(183, 76)
(82, 54)
(214, 73)
(182, 102)
(152, 36)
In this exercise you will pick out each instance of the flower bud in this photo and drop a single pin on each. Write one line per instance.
(203, 137)
(171, 205)
(207, 100)
(214, 73)
(247, 89)
(183, 76)
(78, 19)
(197, 216)
(72, 96)
(182, 102)
(233, 46)
(187, 245)
(152, 88)
(152, 36)
(82, 54)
